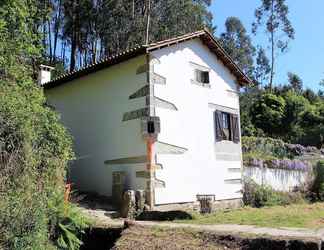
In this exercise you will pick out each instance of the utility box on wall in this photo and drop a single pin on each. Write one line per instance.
(151, 126)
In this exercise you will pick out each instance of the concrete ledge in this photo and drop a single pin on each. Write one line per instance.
(195, 206)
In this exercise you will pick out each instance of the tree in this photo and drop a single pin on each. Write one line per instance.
(312, 120)
(247, 99)
(238, 45)
(295, 82)
(34, 147)
(93, 29)
(262, 68)
(310, 95)
(296, 104)
(273, 14)
(268, 112)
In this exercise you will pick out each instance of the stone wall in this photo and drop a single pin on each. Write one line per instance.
(278, 179)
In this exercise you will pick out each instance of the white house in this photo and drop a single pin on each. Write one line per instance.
(162, 118)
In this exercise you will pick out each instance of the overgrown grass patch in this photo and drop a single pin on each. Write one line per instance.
(297, 216)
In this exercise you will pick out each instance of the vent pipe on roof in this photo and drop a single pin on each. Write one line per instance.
(44, 74)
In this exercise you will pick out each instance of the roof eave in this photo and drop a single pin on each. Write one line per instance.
(118, 58)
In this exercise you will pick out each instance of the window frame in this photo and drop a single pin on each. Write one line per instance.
(201, 75)
(229, 130)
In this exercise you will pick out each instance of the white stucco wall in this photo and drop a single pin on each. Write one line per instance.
(278, 179)
(92, 109)
(204, 167)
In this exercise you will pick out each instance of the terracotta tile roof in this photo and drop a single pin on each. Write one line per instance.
(204, 35)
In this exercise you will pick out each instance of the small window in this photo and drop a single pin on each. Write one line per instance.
(202, 76)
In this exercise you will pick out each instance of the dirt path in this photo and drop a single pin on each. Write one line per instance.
(103, 218)
(243, 229)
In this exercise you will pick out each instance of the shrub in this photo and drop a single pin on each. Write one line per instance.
(286, 164)
(66, 224)
(261, 195)
(316, 190)
(34, 147)
(34, 151)
(269, 148)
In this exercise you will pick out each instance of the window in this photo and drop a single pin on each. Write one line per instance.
(202, 76)
(226, 120)
(226, 126)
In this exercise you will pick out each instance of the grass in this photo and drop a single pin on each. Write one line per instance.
(295, 216)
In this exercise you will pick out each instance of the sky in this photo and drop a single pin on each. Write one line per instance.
(305, 56)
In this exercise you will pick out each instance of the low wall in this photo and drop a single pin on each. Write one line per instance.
(278, 179)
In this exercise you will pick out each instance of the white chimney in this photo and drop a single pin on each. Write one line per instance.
(44, 74)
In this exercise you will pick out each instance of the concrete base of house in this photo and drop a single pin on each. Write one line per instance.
(195, 206)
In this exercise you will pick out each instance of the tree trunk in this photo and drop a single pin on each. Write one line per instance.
(148, 14)
(74, 38)
(50, 40)
(272, 47)
(63, 53)
(73, 52)
(57, 25)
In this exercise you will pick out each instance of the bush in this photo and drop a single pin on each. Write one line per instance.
(66, 224)
(255, 195)
(316, 190)
(268, 148)
(34, 152)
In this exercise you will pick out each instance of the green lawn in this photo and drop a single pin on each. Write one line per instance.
(301, 215)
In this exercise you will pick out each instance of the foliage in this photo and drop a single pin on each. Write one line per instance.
(317, 187)
(295, 82)
(273, 14)
(262, 69)
(34, 147)
(295, 106)
(19, 46)
(66, 224)
(312, 120)
(261, 195)
(293, 116)
(265, 148)
(89, 30)
(285, 164)
(267, 113)
(238, 44)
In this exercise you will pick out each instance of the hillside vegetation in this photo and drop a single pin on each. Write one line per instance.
(35, 149)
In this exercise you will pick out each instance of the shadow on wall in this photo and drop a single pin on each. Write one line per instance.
(164, 216)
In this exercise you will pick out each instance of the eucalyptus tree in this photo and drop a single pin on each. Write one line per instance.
(273, 16)
(262, 68)
(89, 30)
(238, 44)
